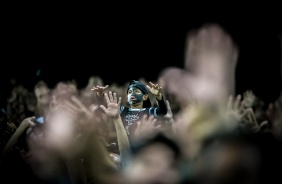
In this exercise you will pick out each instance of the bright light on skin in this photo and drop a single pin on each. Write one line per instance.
(60, 130)
(209, 73)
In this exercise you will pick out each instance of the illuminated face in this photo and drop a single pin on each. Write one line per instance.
(134, 95)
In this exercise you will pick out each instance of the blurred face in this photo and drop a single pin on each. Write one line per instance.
(42, 96)
(230, 162)
(154, 164)
(134, 95)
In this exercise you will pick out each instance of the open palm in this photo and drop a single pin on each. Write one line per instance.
(113, 105)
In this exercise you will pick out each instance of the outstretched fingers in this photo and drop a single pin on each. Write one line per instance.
(107, 98)
(111, 96)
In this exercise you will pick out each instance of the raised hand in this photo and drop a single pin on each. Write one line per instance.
(99, 89)
(211, 52)
(69, 127)
(235, 108)
(155, 89)
(113, 105)
(78, 109)
(145, 127)
(21, 130)
(250, 124)
(210, 62)
(244, 116)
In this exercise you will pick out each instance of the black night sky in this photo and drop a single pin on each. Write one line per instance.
(129, 46)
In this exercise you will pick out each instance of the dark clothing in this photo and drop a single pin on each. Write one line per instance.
(131, 116)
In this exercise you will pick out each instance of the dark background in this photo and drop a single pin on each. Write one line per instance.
(124, 46)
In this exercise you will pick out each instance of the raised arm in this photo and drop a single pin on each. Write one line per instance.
(155, 89)
(84, 143)
(25, 124)
(99, 90)
(113, 111)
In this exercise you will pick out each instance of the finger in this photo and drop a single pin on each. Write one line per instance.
(115, 98)
(144, 118)
(167, 104)
(111, 96)
(158, 87)
(119, 101)
(152, 84)
(249, 117)
(229, 104)
(107, 98)
(244, 113)
(152, 120)
(253, 117)
(148, 87)
(247, 114)
(32, 124)
(237, 102)
(106, 87)
(32, 118)
(263, 124)
(242, 107)
(103, 108)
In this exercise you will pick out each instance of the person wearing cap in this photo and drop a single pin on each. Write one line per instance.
(139, 104)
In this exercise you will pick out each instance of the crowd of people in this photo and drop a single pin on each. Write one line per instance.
(188, 126)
